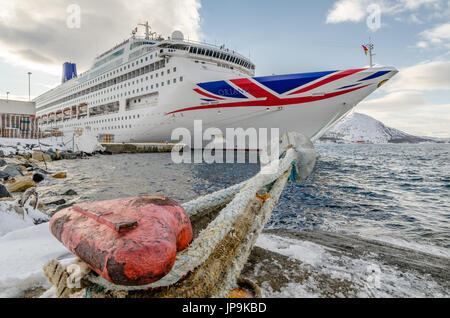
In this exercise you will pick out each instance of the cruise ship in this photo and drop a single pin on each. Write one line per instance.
(144, 88)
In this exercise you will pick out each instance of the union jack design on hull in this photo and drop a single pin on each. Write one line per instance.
(275, 90)
(145, 88)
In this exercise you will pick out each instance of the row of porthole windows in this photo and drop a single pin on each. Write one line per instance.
(102, 121)
(133, 83)
(125, 77)
(174, 81)
(129, 93)
(111, 73)
(112, 127)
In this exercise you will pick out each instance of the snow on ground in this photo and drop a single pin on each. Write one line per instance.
(24, 252)
(24, 248)
(429, 249)
(373, 278)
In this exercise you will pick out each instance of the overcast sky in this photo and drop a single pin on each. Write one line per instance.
(280, 36)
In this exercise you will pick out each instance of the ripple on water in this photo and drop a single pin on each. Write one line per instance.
(398, 190)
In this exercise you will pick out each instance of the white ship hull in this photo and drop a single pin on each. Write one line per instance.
(147, 104)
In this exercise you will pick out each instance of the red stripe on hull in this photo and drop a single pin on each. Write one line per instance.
(253, 89)
(270, 102)
(207, 95)
(328, 80)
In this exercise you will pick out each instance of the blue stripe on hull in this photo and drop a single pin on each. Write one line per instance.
(285, 83)
(377, 74)
(221, 88)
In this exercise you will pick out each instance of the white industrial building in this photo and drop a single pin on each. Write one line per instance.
(18, 119)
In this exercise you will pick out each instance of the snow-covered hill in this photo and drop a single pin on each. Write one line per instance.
(365, 129)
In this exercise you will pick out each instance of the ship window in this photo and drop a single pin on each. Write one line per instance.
(168, 82)
(174, 80)
(174, 69)
(181, 78)
(162, 84)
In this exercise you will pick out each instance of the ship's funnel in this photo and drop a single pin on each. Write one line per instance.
(69, 71)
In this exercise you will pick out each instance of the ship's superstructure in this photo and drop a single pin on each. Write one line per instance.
(143, 88)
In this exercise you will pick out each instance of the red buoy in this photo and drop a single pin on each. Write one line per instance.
(129, 242)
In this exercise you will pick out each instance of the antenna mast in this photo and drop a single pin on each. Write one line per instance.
(147, 29)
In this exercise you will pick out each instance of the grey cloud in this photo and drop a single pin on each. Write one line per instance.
(34, 56)
(46, 39)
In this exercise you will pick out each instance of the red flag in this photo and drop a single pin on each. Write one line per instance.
(365, 49)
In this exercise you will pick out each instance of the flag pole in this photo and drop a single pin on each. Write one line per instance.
(371, 47)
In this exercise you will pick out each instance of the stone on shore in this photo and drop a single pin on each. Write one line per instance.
(70, 192)
(4, 193)
(37, 177)
(20, 184)
(40, 156)
(58, 202)
(11, 170)
(60, 175)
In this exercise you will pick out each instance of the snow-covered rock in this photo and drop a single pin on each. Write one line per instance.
(365, 129)
(13, 217)
(88, 144)
(84, 143)
(25, 146)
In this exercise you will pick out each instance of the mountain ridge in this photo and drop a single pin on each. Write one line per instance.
(361, 128)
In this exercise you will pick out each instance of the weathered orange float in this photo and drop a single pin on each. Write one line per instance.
(129, 242)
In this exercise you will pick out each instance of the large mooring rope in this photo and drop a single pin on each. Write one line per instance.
(239, 223)
(296, 146)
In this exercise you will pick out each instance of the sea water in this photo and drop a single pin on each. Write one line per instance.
(391, 192)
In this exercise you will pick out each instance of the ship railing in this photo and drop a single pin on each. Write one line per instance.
(206, 44)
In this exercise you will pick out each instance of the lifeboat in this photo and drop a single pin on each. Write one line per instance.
(67, 113)
(83, 109)
(129, 242)
(59, 115)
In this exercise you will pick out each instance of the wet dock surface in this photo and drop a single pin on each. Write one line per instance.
(121, 148)
(321, 264)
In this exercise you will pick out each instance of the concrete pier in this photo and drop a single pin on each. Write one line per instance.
(118, 148)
